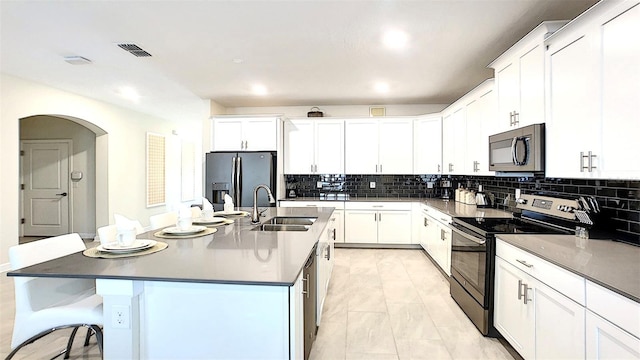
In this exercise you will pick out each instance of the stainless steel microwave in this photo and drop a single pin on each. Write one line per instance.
(518, 150)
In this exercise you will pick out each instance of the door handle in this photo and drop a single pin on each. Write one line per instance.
(62, 194)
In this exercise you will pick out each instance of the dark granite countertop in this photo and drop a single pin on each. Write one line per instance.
(234, 254)
(612, 264)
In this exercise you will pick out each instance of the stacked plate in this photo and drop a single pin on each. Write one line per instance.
(174, 230)
(216, 220)
(231, 213)
(138, 245)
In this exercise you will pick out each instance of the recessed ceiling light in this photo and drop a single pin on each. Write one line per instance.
(381, 87)
(238, 61)
(259, 89)
(395, 39)
(129, 93)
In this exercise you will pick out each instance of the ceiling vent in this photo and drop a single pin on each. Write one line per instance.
(134, 49)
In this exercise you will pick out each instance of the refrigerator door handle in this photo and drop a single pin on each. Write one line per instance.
(238, 181)
(233, 177)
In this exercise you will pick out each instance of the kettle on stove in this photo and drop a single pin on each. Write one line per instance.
(482, 199)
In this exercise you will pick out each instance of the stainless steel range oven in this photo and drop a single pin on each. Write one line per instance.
(473, 250)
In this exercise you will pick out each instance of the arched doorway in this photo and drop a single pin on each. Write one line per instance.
(63, 180)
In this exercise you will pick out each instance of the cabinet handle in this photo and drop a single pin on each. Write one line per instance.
(246, 144)
(526, 292)
(425, 222)
(375, 216)
(582, 167)
(311, 205)
(328, 256)
(591, 167)
(525, 263)
(519, 289)
(380, 167)
(379, 216)
(305, 289)
(450, 167)
(438, 167)
(334, 234)
(511, 118)
(377, 206)
(516, 118)
(311, 167)
(442, 235)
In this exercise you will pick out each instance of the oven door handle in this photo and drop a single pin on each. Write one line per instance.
(467, 236)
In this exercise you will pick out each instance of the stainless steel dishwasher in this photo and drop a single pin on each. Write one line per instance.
(310, 292)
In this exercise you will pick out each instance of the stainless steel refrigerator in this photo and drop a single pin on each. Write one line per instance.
(237, 174)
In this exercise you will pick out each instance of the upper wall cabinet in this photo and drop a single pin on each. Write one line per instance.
(594, 94)
(466, 127)
(314, 146)
(427, 145)
(379, 146)
(519, 76)
(244, 133)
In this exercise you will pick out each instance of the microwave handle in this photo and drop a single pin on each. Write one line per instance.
(514, 154)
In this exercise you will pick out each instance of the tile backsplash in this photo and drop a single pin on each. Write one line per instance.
(618, 199)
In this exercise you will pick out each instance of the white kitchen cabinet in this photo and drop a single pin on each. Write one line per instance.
(427, 145)
(379, 146)
(519, 78)
(435, 237)
(324, 263)
(540, 322)
(606, 341)
(314, 146)
(454, 134)
(338, 215)
(377, 223)
(594, 94)
(480, 114)
(244, 134)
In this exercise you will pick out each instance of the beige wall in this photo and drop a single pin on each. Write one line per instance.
(120, 151)
(83, 192)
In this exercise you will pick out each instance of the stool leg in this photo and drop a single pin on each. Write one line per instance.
(73, 335)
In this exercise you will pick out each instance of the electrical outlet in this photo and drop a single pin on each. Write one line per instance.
(120, 317)
(372, 185)
(319, 184)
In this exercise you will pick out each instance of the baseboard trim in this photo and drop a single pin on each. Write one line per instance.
(377, 246)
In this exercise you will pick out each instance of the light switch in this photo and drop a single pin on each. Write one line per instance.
(372, 185)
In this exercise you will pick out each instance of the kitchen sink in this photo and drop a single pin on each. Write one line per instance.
(281, 227)
(291, 220)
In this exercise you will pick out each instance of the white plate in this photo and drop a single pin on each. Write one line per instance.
(137, 245)
(231, 213)
(192, 230)
(213, 220)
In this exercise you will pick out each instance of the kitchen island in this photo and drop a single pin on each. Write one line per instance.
(233, 294)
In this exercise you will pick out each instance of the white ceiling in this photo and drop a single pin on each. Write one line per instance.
(304, 52)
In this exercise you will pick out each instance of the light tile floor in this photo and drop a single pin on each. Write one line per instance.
(381, 304)
(395, 304)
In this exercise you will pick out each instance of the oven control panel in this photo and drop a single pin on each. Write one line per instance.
(562, 208)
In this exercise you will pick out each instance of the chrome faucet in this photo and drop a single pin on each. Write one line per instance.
(255, 216)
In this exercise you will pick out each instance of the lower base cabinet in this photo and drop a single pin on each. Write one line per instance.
(435, 238)
(377, 223)
(607, 341)
(538, 321)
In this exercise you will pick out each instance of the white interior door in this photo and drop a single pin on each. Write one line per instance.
(45, 170)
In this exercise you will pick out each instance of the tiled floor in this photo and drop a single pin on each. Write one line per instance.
(395, 304)
(381, 304)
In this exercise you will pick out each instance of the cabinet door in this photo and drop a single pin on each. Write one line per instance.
(361, 146)
(395, 147)
(260, 134)
(620, 95)
(508, 88)
(394, 227)
(512, 318)
(559, 325)
(227, 135)
(531, 102)
(607, 341)
(474, 141)
(445, 249)
(329, 146)
(427, 145)
(298, 147)
(361, 226)
(454, 135)
(432, 234)
(574, 111)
